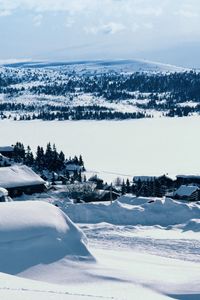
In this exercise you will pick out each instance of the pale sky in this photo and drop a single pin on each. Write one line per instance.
(159, 30)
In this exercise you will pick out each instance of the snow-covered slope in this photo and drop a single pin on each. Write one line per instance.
(34, 233)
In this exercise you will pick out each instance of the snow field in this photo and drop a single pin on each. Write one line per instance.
(117, 148)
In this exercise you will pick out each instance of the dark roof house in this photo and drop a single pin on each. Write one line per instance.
(7, 151)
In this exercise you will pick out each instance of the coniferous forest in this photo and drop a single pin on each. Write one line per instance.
(60, 94)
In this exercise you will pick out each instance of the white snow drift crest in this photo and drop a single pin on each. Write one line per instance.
(34, 233)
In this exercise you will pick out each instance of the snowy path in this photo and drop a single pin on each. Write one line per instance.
(153, 240)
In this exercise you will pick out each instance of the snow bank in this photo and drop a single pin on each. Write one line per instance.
(193, 225)
(129, 210)
(34, 233)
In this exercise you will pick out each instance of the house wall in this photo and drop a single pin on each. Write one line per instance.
(8, 154)
(18, 191)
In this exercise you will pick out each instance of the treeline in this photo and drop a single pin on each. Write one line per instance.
(45, 159)
(55, 112)
(183, 86)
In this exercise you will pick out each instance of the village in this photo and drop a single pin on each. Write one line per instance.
(22, 174)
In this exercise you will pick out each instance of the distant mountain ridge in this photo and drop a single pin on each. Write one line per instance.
(128, 65)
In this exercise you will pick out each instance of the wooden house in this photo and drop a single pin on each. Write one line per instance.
(19, 179)
(156, 186)
(7, 151)
(186, 192)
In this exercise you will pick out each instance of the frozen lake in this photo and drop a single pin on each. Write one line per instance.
(136, 147)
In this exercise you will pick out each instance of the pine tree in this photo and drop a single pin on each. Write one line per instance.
(48, 157)
(79, 176)
(81, 161)
(40, 159)
(128, 189)
(123, 188)
(29, 159)
(19, 152)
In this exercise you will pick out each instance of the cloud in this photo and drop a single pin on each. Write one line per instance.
(187, 12)
(5, 13)
(140, 7)
(109, 28)
(143, 26)
(149, 11)
(37, 20)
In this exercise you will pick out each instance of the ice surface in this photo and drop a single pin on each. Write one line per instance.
(118, 148)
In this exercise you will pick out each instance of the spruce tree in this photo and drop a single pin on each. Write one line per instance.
(123, 188)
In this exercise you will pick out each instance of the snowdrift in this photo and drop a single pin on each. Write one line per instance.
(192, 225)
(33, 233)
(129, 210)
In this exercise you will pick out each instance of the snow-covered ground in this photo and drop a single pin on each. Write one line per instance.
(118, 148)
(136, 250)
(49, 257)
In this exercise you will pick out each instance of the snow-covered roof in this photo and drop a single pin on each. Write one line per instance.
(73, 167)
(3, 192)
(17, 176)
(150, 178)
(186, 190)
(188, 176)
(144, 178)
(6, 149)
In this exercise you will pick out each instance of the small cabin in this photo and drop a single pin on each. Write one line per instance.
(7, 151)
(155, 186)
(187, 192)
(163, 180)
(72, 167)
(19, 179)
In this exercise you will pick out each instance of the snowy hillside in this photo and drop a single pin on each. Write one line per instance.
(97, 90)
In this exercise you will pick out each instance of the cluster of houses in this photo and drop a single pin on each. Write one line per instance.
(16, 179)
(183, 187)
